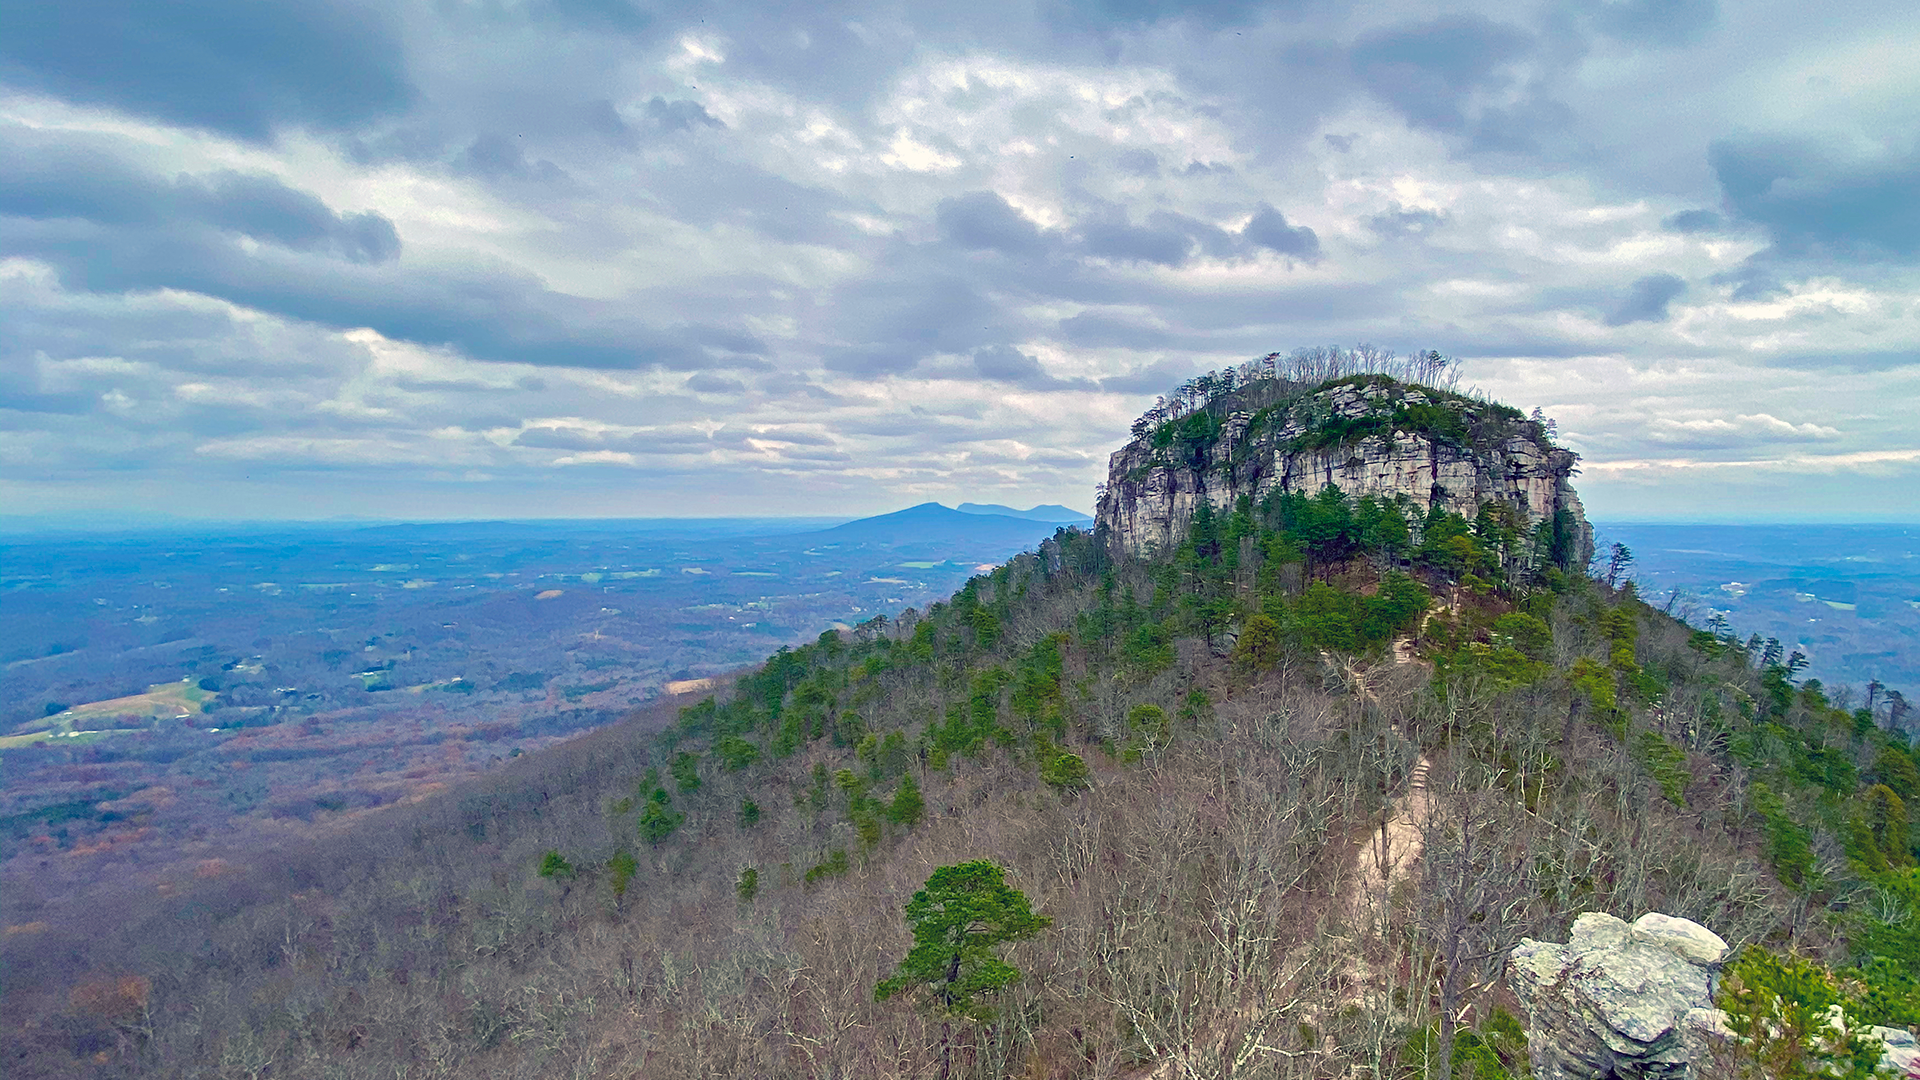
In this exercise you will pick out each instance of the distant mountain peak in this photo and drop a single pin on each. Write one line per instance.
(1049, 512)
(929, 521)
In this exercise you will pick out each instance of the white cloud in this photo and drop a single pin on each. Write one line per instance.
(1860, 461)
(1746, 427)
(597, 457)
(906, 152)
(801, 329)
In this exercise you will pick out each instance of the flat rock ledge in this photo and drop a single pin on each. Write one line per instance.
(1620, 1001)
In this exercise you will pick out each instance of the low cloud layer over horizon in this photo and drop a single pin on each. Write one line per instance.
(300, 259)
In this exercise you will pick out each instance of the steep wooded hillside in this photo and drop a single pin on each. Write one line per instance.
(1282, 796)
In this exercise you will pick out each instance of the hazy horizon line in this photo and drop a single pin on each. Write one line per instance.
(31, 524)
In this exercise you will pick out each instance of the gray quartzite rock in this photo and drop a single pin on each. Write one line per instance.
(1152, 493)
(1618, 1000)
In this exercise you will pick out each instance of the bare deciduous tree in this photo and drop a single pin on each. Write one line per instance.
(1475, 885)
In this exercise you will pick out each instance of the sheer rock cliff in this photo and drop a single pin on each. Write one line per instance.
(1367, 435)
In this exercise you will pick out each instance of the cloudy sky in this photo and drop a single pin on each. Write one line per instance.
(308, 258)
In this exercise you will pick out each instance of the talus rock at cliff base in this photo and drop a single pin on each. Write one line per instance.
(1365, 436)
(1618, 1000)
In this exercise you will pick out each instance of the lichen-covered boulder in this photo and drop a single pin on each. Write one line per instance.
(1619, 1001)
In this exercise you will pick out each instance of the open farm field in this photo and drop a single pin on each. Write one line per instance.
(162, 701)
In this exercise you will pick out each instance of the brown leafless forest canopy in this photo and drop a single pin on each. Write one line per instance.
(715, 890)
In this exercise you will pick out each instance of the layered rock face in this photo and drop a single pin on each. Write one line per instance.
(1365, 436)
(1620, 1001)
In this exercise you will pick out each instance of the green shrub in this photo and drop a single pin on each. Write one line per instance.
(1888, 994)
(852, 784)
(1789, 845)
(686, 772)
(1666, 763)
(735, 752)
(1497, 1050)
(555, 865)
(620, 871)
(1526, 634)
(1897, 934)
(907, 805)
(1324, 617)
(836, 864)
(1435, 421)
(659, 820)
(1146, 730)
(1197, 707)
(1594, 682)
(1066, 771)
(1779, 1006)
(894, 755)
(1895, 768)
(1885, 815)
(1258, 647)
(1395, 608)
(1148, 650)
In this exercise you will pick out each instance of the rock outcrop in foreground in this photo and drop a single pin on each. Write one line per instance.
(1365, 435)
(1619, 1001)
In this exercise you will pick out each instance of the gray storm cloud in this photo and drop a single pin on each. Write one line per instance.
(746, 257)
(1647, 300)
(243, 69)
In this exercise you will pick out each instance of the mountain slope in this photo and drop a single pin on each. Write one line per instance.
(1182, 760)
(918, 524)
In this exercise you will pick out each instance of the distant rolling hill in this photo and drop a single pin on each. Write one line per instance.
(546, 528)
(934, 524)
(1050, 512)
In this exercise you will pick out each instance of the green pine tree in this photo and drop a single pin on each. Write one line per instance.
(907, 805)
(659, 820)
(960, 920)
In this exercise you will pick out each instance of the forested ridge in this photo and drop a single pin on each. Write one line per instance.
(1186, 766)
